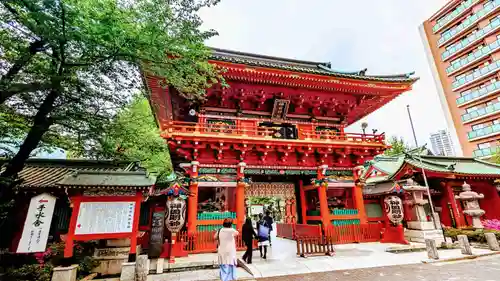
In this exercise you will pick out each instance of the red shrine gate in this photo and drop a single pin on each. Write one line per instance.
(278, 117)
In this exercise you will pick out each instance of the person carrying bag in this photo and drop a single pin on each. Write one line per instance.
(263, 230)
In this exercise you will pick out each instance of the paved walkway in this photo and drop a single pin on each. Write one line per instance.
(481, 269)
(282, 260)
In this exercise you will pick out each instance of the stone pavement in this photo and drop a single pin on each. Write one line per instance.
(480, 269)
(282, 260)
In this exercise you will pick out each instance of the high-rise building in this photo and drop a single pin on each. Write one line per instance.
(442, 144)
(462, 41)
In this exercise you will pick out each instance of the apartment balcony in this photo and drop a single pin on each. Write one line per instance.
(470, 40)
(476, 75)
(485, 152)
(481, 113)
(305, 134)
(453, 33)
(473, 58)
(459, 11)
(484, 132)
(472, 96)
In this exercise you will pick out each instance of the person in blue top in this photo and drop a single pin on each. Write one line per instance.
(263, 230)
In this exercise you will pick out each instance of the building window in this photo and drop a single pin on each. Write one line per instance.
(477, 127)
(496, 121)
(484, 145)
(471, 109)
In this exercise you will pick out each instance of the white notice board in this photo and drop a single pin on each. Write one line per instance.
(105, 217)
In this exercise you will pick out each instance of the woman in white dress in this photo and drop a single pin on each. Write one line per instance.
(226, 250)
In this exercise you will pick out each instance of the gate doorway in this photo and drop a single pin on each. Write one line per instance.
(278, 197)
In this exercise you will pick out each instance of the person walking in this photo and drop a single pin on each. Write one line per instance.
(248, 234)
(263, 233)
(269, 220)
(226, 250)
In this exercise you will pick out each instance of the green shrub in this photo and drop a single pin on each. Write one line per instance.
(474, 235)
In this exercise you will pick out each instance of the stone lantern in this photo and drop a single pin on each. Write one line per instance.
(471, 205)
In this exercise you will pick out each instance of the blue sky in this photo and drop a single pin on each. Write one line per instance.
(380, 35)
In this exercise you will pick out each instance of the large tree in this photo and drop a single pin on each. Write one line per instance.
(68, 66)
(133, 136)
(398, 146)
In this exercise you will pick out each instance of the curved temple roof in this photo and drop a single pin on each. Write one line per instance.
(320, 68)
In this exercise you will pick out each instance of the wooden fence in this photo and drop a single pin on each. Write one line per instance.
(285, 230)
(204, 242)
(343, 234)
(314, 246)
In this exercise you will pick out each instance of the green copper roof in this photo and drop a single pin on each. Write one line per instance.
(456, 165)
(321, 68)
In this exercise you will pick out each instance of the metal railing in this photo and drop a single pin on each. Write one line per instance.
(485, 152)
(450, 34)
(228, 130)
(471, 39)
(473, 57)
(484, 131)
(476, 74)
(473, 94)
(481, 112)
(451, 16)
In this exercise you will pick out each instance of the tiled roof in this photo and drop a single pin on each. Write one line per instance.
(47, 173)
(455, 165)
(320, 68)
(128, 179)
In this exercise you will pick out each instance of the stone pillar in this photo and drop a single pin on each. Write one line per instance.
(240, 196)
(303, 202)
(193, 200)
(142, 268)
(128, 271)
(432, 252)
(323, 197)
(464, 244)
(492, 241)
(65, 273)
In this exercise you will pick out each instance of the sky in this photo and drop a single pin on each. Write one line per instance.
(381, 35)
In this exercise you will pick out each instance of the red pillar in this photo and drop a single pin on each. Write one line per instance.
(240, 196)
(323, 198)
(359, 203)
(303, 203)
(193, 200)
(454, 206)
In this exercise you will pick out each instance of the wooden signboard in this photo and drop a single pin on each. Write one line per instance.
(156, 238)
(104, 217)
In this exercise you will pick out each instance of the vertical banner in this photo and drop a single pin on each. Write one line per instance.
(156, 237)
(37, 224)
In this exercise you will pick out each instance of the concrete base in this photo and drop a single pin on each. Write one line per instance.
(420, 236)
(128, 271)
(421, 225)
(65, 273)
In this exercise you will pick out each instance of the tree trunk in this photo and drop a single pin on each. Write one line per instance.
(21, 62)
(40, 126)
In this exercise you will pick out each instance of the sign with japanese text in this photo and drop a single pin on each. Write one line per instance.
(37, 224)
(105, 218)
(394, 208)
(175, 214)
(156, 237)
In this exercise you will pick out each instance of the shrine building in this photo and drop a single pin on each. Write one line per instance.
(278, 130)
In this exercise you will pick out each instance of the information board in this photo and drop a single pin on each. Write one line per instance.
(105, 217)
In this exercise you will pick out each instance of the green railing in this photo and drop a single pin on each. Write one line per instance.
(481, 112)
(313, 213)
(476, 93)
(469, 40)
(481, 72)
(210, 227)
(451, 16)
(484, 131)
(343, 212)
(345, 222)
(216, 215)
(468, 22)
(485, 152)
(475, 56)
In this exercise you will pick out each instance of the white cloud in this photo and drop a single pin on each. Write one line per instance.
(380, 35)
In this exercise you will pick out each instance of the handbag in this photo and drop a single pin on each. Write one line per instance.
(263, 231)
